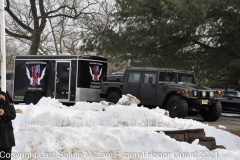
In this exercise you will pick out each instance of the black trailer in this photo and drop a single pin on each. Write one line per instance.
(68, 78)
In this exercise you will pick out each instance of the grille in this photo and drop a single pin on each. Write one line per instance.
(199, 94)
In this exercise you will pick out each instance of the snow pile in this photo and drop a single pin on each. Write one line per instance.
(128, 100)
(49, 102)
(50, 130)
(221, 126)
(103, 114)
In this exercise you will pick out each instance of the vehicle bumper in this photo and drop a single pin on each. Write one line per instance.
(103, 95)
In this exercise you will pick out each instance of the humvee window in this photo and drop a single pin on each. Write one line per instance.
(149, 76)
(167, 77)
(186, 78)
(134, 77)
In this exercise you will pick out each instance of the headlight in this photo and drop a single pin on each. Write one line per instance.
(195, 93)
(211, 94)
(203, 93)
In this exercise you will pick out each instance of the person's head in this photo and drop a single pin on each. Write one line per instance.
(3, 98)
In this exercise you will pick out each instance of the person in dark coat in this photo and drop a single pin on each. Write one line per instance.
(7, 114)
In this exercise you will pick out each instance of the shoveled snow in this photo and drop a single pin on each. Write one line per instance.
(221, 126)
(50, 130)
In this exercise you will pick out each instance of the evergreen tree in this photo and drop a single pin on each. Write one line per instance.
(182, 34)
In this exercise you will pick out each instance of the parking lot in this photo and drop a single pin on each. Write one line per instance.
(229, 121)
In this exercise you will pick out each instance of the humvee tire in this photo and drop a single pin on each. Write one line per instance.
(30, 98)
(212, 113)
(177, 107)
(113, 97)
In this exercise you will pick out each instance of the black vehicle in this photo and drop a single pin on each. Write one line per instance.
(67, 78)
(231, 99)
(9, 86)
(115, 77)
(171, 89)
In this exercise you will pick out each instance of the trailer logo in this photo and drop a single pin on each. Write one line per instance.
(95, 73)
(36, 77)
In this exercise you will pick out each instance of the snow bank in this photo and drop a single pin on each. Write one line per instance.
(50, 130)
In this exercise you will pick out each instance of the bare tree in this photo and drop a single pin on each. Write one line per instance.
(66, 35)
(27, 20)
(96, 26)
(13, 48)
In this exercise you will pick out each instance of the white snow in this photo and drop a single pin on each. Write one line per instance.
(89, 131)
(221, 126)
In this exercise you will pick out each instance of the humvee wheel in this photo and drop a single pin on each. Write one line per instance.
(212, 113)
(30, 98)
(113, 97)
(177, 107)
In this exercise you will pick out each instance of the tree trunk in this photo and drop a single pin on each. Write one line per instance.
(35, 42)
(54, 36)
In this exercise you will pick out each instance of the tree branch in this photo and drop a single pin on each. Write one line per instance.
(58, 9)
(201, 44)
(42, 11)
(7, 8)
(68, 16)
(34, 14)
(46, 15)
(17, 35)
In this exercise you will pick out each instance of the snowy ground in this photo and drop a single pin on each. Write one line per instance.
(50, 130)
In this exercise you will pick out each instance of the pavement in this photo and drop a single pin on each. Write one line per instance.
(230, 122)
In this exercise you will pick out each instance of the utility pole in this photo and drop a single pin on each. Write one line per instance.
(3, 48)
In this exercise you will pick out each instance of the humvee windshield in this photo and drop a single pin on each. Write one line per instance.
(174, 77)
